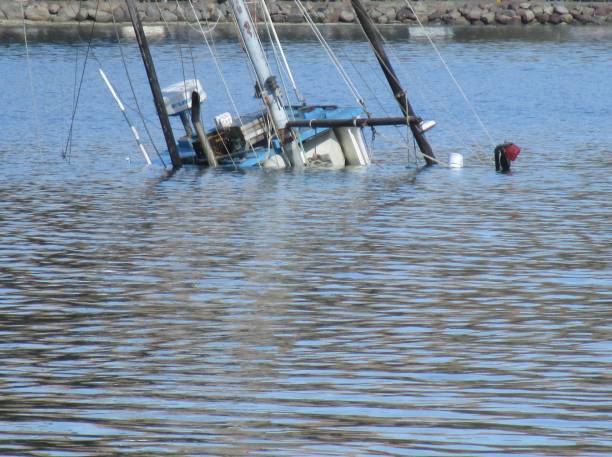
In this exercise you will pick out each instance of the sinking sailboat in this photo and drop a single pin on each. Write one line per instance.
(280, 135)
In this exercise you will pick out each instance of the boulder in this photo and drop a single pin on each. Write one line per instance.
(537, 10)
(560, 9)
(168, 16)
(543, 18)
(103, 17)
(12, 10)
(405, 14)
(488, 18)
(527, 16)
(502, 18)
(296, 18)
(37, 12)
(474, 14)
(193, 15)
(331, 16)
(383, 19)
(549, 9)
(346, 16)
(152, 13)
(567, 18)
(390, 12)
(2, 15)
(435, 16)
(54, 8)
(121, 14)
(525, 5)
(555, 19)
(375, 13)
(273, 8)
(68, 12)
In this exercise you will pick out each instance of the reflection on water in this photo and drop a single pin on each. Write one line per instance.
(365, 312)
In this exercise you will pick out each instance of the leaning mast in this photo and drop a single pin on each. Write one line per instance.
(158, 98)
(398, 92)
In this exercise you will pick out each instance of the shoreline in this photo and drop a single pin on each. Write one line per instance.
(12, 32)
(471, 13)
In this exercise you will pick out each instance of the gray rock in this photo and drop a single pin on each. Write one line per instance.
(549, 9)
(2, 15)
(121, 14)
(474, 15)
(525, 5)
(152, 14)
(54, 8)
(37, 12)
(537, 10)
(560, 9)
(588, 11)
(543, 18)
(168, 16)
(331, 16)
(435, 16)
(104, 17)
(383, 19)
(12, 10)
(527, 16)
(375, 13)
(273, 8)
(555, 18)
(295, 19)
(346, 16)
(455, 14)
(405, 14)
(567, 18)
(193, 15)
(502, 18)
(462, 21)
(390, 12)
(488, 18)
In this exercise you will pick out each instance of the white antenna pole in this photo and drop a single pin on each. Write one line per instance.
(125, 116)
(269, 92)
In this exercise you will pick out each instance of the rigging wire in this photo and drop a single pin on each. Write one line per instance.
(268, 19)
(35, 118)
(140, 114)
(450, 73)
(332, 56)
(65, 153)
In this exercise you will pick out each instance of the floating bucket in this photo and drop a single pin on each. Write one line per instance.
(455, 160)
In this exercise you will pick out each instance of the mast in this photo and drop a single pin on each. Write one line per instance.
(155, 89)
(269, 90)
(398, 92)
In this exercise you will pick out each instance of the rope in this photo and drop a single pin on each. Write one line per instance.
(65, 154)
(332, 56)
(35, 119)
(268, 19)
(140, 114)
(450, 73)
(424, 87)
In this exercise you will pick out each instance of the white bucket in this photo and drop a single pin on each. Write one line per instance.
(455, 160)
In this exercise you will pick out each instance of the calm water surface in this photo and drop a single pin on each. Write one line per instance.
(383, 311)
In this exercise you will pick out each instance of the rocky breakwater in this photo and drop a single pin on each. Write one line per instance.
(382, 12)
